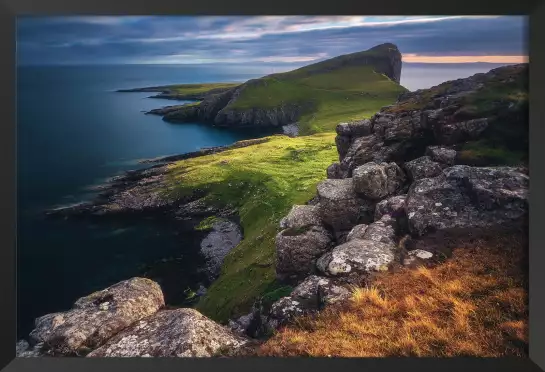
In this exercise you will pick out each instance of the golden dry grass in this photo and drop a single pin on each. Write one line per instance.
(474, 304)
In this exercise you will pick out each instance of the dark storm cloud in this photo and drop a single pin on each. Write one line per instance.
(255, 39)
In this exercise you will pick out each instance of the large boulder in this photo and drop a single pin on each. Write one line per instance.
(297, 250)
(171, 333)
(356, 256)
(97, 317)
(301, 216)
(340, 207)
(393, 127)
(311, 295)
(443, 155)
(467, 197)
(422, 167)
(394, 206)
(376, 181)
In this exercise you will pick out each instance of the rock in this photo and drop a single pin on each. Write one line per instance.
(297, 250)
(376, 181)
(467, 197)
(362, 150)
(90, 322)
(452, 133)
(335, 171)
(171, 333)
(309, 296)
(422, 167)
(343, 144)
(390, 127)
(442, 155)
(394, 206)
(354, 129)
(23, 350)
(301, 216)
(357, 232)
(358, 255)
(340, 207)
(225, 236)
(417, 257)
(383, 231)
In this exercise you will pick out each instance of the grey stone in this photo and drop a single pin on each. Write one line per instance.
(442, 155)
(357, 232)
(394, 206)
(89, 323)
(358, 255)
(340, 207)
(422, 167)
(383, 231)
(376, 181)
(301, 216)
(466, 197)
(171, 333)
(297, 250)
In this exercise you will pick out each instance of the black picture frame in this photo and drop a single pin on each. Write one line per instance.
(9, 10)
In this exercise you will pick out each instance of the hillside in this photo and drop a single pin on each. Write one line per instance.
(431, 191)
(343, 88)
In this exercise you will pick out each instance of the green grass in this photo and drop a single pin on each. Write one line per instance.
(207, 223)
(262, 182)
(345, 94)
(197, 88)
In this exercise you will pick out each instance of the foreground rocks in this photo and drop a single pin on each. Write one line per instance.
(464, 196)
(97, 317)
(171, 333)
(128, 319)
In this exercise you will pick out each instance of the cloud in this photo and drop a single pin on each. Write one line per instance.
(235, 39)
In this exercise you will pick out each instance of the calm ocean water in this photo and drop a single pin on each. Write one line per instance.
(74, 131)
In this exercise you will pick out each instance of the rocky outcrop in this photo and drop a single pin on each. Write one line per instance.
(464, 196)
(171, 333)
(97, 317)
(424, 133)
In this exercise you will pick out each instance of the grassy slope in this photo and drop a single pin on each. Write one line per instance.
(262, 181)
(345, 94)
(474, 304)
(198, 88)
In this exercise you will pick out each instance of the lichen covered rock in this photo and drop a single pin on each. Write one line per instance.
(376, 181)
(356, 256)
(301, 216)
(357, 232)
(422, 167)
(171, 333)
(443, 155)
(467, 197)
(394, 206)
(97, 317)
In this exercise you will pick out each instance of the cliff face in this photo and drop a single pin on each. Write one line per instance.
(229, 108)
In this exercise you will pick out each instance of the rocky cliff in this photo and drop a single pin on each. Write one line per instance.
(440, 162)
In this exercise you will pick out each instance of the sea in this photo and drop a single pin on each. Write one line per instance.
(74, 131)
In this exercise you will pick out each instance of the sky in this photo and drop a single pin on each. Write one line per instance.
(278, 40)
